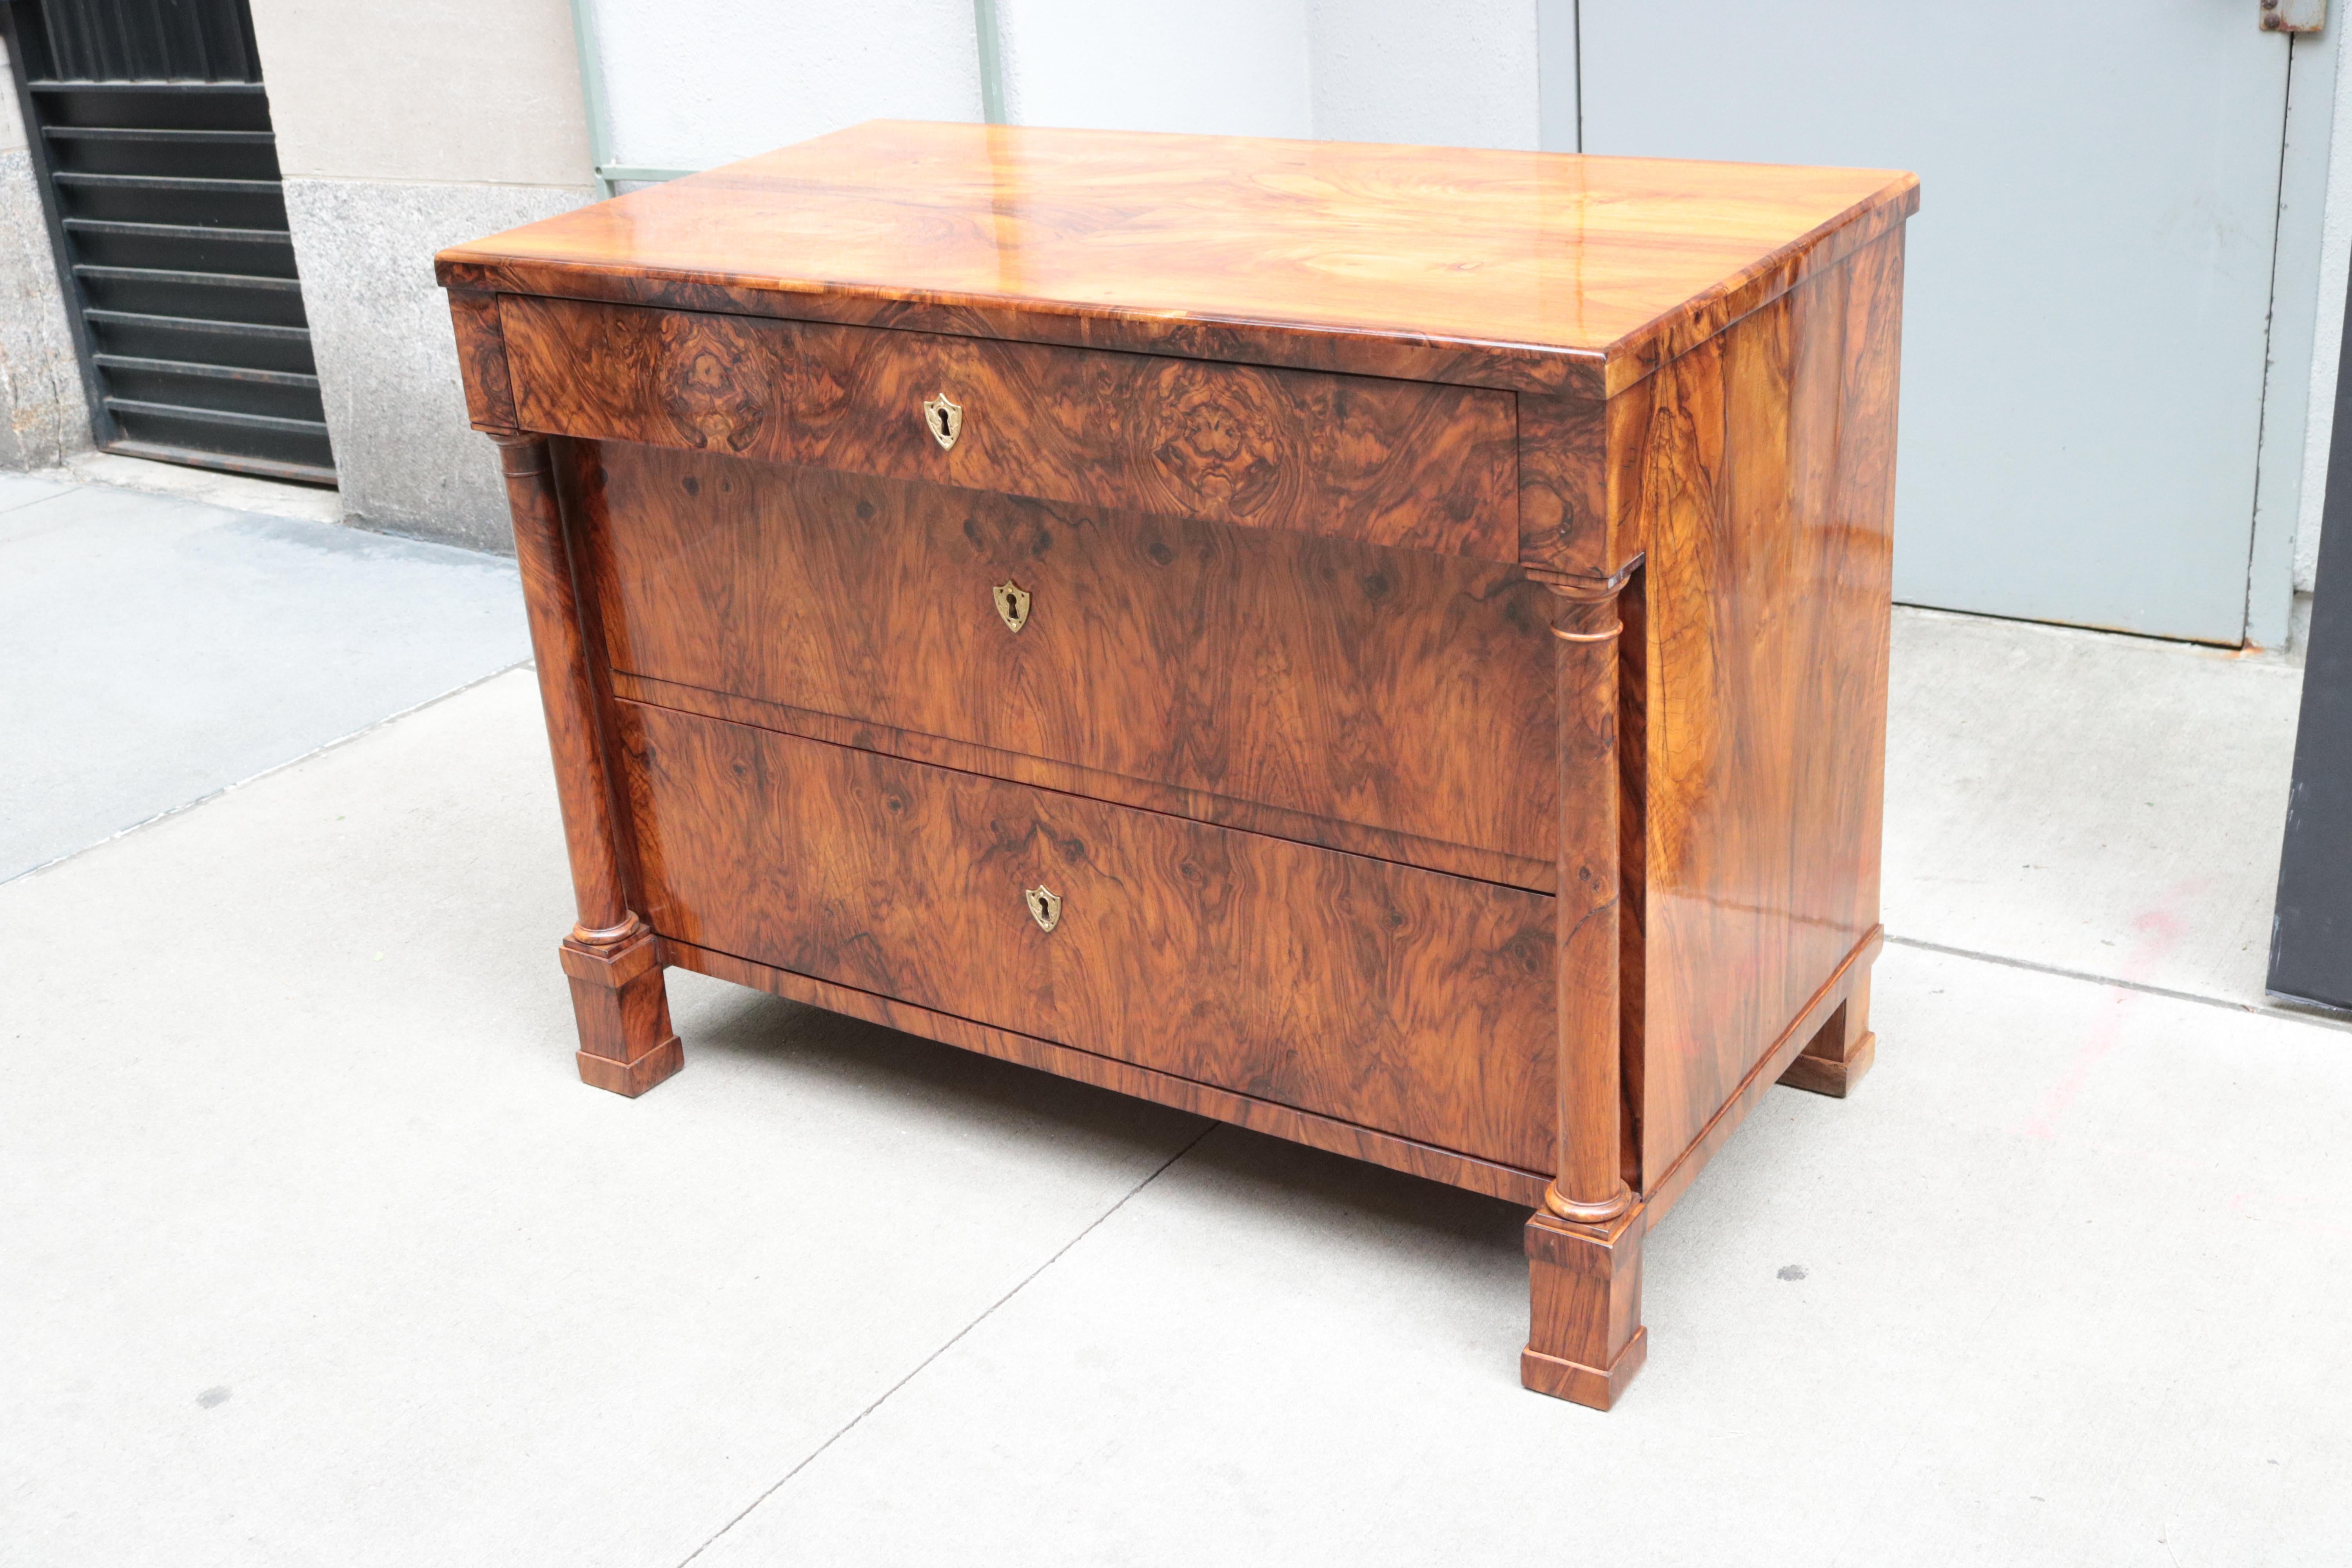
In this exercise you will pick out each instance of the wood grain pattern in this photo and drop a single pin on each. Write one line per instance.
(1765, 480)
(567, 692)
(1069, 778)
(622, 1008)
(1359, 1142)
(1567, 526)
(482, 361)
(1383, 462)
(1666, 1185)
(1589, 1187)
(1525, 270)
(1373, 993)
(617, 996)
(1283, 449)
(1406, 692)
(1585, 1338)
(1840, 1052)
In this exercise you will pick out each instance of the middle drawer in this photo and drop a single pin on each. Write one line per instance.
(1406, 692)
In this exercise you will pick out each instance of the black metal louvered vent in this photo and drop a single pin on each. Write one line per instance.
(159, 174)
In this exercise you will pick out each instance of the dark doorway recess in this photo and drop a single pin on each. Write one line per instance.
(2311, 933)
(151, 144)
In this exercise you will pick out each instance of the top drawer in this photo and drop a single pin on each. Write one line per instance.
(1412, 464)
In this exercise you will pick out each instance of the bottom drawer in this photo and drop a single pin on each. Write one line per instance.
(1407, 1001)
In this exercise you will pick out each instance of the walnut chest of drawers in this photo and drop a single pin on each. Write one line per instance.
(1383, 646)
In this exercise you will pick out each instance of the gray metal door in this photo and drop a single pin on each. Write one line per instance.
(2090, 271)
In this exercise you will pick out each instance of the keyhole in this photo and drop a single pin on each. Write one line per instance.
(942, 420)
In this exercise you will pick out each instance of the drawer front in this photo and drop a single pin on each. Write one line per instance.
(1402, 1000)
(1406, 692)
(1388, 462)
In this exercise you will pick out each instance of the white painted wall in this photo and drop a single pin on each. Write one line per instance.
(691, 83)
(1233, 67)
(1446, 72)
(1443, 73)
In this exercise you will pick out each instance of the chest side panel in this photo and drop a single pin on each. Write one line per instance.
(1400, 690)
(1766, 486)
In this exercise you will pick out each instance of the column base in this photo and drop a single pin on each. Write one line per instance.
(1841, 1052)
(623, 1010)
(632, 1078)
(1584, 1384)
(1585, 1338)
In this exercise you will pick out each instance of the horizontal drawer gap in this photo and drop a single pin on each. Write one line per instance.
(209, 371)
(195, 280)
(136, 133)
(132, 230)
(218, 416)
(169, 182)
(201, 324)
(224, 462)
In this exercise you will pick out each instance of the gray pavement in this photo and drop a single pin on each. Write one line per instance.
(2110, 805)
(313, 1249)
(158, 648)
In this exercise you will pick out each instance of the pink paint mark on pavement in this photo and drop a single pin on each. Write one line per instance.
(2157, 931)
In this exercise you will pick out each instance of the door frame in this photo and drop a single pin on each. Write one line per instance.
(2290, 430)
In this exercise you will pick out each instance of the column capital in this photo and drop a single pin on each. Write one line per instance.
(1578, 588)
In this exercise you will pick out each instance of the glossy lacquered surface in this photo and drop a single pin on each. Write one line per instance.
(1404, 260)
(1400, 691)
(1766, 506)
(1373, 993)
(1385, 645)
(1386, 462)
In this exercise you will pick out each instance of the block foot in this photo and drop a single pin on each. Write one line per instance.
(633, 1079)
(1585, 1338)
(623, 1010)
(1838, 1056)
(1584, 1384)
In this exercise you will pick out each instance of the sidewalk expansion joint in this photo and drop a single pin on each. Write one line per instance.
(211, 795)
(2289, 1012)
(810, 1457)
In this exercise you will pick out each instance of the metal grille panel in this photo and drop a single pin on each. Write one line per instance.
(159, 174)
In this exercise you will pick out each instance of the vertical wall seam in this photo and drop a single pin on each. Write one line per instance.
(2295, 350)
(990, 39)
(1576, 23)
(592, 93)
(2269, 363)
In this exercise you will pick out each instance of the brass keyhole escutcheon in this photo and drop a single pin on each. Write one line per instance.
(1045, 908)
(944, 420)
(1011, 605)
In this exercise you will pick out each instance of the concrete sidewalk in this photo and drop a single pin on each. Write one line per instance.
(159, 647)
(315, 1250)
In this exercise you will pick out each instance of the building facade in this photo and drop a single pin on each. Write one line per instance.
(403, 129)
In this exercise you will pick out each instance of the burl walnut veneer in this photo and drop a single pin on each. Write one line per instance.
(1384, 645)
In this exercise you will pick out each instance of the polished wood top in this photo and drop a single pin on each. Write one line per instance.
(1528, 269)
